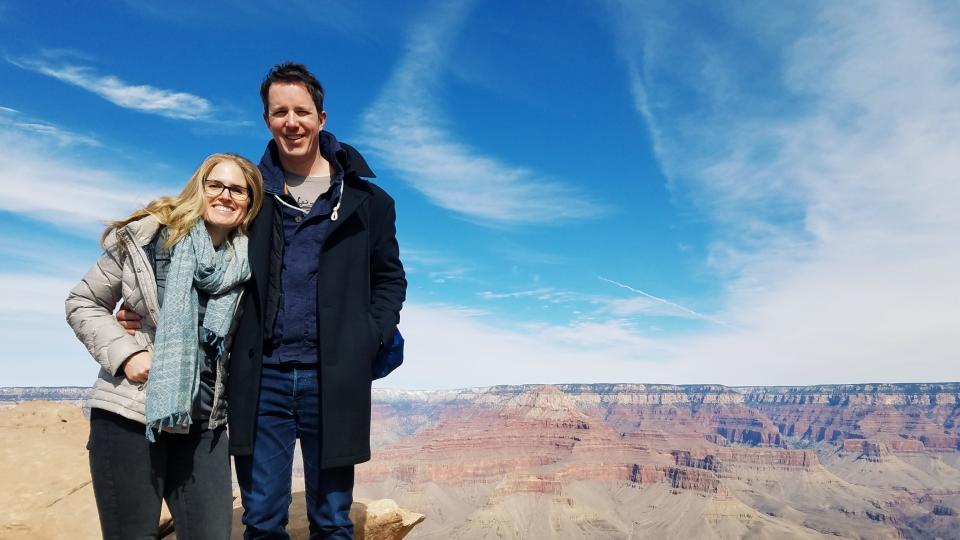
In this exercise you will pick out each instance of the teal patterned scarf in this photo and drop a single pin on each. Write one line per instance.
(175, 372)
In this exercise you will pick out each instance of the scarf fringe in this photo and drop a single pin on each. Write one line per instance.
(175, 419)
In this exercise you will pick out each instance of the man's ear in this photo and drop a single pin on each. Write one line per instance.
(323, 119)
(266, 119)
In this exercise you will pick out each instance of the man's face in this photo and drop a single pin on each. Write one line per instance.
(294, 121)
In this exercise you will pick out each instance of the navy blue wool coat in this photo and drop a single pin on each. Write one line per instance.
(361, 288)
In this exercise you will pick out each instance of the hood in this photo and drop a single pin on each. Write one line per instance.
(140, 231)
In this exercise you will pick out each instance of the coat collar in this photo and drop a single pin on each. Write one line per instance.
(142, 230)
(355, 192)
(344, 157)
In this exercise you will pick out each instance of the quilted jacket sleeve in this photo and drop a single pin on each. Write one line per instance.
(89, 308)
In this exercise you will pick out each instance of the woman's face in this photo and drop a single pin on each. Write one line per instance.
(222, 210)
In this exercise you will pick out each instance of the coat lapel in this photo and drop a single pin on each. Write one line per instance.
(259, 248)
(352, 199)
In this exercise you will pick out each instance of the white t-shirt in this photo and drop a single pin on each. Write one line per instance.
(306, 189)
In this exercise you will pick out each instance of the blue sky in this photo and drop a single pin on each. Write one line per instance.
(590, 191)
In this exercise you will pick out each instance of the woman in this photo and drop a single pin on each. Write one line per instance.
(158, 411)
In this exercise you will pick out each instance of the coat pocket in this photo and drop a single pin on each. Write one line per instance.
(374, 334)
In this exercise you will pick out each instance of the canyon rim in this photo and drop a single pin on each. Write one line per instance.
(662, 461)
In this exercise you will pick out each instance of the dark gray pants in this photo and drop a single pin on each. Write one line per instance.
(131, 476)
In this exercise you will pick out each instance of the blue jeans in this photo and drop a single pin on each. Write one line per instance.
(289, 408)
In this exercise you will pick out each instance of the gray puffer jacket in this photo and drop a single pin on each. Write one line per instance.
(124, 271)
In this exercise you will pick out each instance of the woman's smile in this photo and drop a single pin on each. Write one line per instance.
(222, 212)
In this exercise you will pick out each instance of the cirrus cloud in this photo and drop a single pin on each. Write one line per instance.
(139, 97)
(405, 128)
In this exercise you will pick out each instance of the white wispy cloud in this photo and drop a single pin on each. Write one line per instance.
(58, 188)
(22, 294)
(827, 165)
(641, 305)
(581, 307)
(11, 118)
(139, 97)
(39, 347)
(645, 305)
(407, 130)
(439, 268)
(23, 250)
(45, 179)
(549, 295)
(542, 293)
(488, 354)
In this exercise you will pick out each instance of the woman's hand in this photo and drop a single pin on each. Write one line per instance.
(137, 367)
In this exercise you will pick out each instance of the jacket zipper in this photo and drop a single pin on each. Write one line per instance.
(140, 266)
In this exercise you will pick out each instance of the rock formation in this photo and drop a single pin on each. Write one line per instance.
(372, 520)
(539, 461)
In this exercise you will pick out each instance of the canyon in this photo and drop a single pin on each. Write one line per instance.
(663, 461)
(595, 461)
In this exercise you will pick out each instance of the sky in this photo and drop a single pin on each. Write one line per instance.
(738, 193)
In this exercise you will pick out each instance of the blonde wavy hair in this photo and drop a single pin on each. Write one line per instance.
(178, 214)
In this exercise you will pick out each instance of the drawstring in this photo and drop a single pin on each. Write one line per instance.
(333, 215)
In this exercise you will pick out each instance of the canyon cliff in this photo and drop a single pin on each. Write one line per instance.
(663, 461)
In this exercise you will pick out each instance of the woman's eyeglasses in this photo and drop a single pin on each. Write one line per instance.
(213, 188)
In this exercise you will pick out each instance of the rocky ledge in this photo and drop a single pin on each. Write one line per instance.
(47, 491)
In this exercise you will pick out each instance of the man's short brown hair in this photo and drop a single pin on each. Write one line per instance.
(291, 72)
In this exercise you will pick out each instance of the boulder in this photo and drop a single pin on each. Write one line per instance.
(373, 520)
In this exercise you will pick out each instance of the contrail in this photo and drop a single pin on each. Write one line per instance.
(664, 301)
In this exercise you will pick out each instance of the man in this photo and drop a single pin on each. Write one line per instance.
(327, 290)
(325, 296)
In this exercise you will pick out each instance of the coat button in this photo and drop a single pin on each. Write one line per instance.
(297, 219)
(250, 353)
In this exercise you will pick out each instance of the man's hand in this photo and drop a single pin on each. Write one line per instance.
(128, 319)
(137, 367)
